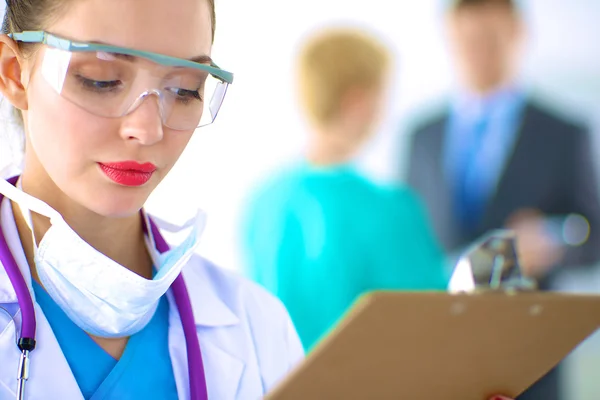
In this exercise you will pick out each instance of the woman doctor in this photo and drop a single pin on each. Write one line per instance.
(93, 305)
(110, 93)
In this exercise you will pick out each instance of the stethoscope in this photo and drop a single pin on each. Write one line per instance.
(26, 342)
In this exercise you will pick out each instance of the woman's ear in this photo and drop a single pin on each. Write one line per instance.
(11, 65)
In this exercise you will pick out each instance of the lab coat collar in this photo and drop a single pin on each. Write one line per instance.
(208, 307)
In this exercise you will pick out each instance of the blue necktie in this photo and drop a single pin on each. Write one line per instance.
(469, 202)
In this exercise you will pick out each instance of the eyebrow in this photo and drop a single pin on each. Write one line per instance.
(203, 59)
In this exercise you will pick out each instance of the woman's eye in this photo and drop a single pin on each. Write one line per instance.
(186, 96)
(98, 86)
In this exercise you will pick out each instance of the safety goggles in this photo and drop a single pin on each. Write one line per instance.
(111, 81)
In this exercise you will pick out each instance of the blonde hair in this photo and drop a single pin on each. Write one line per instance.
(335, 61)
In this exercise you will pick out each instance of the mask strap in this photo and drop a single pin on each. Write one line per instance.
(27, 203)
(147, 229)
(27, 217)
(149, 239)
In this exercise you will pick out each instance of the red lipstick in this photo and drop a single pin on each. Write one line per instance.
(128, 173)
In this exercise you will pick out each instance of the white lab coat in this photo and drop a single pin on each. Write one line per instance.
(247, 339)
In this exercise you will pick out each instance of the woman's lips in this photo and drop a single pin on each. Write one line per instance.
(128, 173)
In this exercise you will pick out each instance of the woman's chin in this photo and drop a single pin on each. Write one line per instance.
(117, 205)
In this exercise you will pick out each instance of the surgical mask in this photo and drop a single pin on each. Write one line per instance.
(102, 297)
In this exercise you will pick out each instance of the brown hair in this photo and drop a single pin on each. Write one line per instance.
(32, 15)
(460, 4)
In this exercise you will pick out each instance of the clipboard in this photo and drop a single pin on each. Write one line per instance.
(427, 346)
(493, 334)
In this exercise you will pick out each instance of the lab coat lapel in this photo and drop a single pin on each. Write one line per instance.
(223, 369)
(50, 376)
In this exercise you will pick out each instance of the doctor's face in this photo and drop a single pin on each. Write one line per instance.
(77, 158)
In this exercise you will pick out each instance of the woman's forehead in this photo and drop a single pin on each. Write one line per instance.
(180, 29)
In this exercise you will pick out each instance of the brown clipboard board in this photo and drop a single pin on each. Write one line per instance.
(429, 346)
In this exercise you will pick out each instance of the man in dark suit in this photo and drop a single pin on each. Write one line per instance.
(496, 158)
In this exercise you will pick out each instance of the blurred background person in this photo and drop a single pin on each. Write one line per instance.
(497, 158)
(318, 233)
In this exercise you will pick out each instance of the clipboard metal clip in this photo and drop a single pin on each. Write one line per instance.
(491, 264)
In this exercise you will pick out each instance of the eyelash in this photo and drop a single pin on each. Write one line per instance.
(105, 86)
(183, 96)
(185, 99)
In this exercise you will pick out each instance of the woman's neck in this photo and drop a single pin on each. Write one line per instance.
(121, 239)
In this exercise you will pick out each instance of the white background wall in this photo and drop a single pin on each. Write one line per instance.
(260, 126)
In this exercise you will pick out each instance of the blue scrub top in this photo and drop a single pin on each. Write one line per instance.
(318, 238)
(144, 371)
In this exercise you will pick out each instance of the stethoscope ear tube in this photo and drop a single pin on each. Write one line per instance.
(23, 374)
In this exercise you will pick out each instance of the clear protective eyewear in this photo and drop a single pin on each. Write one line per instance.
(111, 81)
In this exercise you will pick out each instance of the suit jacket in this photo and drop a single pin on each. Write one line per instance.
(550, 169)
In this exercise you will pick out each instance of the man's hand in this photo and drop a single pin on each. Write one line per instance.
(537, 250)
